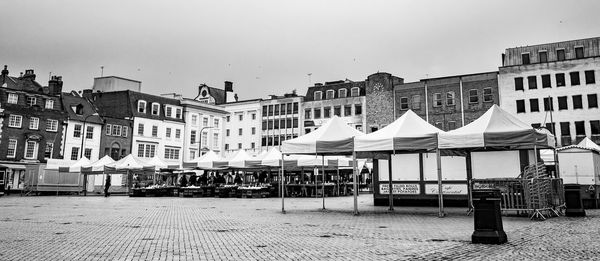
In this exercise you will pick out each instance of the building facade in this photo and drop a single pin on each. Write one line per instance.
(242, 127)
(379, 99)
(345, 99)
(84, 128)
(204, 127)
(281, 119)
(554, 82)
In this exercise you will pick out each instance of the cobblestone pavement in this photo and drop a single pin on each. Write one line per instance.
(123, 228)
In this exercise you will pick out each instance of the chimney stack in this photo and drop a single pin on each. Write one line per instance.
(4, 74)
(29, 74)
(87, 93)
(55, 85)
(228, 86)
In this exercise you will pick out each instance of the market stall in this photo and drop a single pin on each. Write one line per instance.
(62, 175)
(94, 175)
(139, 173)
(580, 164)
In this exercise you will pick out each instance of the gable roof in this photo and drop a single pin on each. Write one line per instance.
(69, 101)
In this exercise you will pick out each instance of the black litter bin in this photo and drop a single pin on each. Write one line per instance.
(487, 217)
(573, 201)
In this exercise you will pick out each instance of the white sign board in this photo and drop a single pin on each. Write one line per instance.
(400, 189)
(447, 189)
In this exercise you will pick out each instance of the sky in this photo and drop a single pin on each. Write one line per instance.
(275, 46)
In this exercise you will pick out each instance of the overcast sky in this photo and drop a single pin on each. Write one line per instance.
(270, 47)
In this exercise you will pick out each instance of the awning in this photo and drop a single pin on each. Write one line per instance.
(12, 166)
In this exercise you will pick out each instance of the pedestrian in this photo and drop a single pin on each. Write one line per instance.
(107, 186)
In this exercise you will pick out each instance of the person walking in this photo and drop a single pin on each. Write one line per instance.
(107, 186)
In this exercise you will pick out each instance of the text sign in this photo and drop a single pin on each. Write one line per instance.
(447, 189)
(400, 189)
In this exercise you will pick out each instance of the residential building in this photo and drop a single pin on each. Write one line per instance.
(242, 127)
(554, 82)
(84, 128)
(345, 99)
(281, 119)
(216, 96)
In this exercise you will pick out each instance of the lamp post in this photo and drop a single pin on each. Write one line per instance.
(200, 139)
(83, 132)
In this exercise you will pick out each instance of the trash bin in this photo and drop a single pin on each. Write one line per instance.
(487, 217)
(573, 201)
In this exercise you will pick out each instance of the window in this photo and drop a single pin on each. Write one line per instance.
(141, 106)
(239, 145)
(307, 113)
(178, 133)
(141, 129)
(327, 112)
(342, 93)
(178, 116)
(193, 137)
(473, 96)
(216, 140)
(87, 153)
(108, 129)
(357, 109)
(355, 92)
(317, 113)
(169, 111)
(264, 110)
(295, 107)
(31, 149)
(289, 122)
(270, 125)
(592, 100)
(565, 129)
(227, 131)
(89, 132)
(330, 94)
(116, 130)
(168, 133)
(487, 95)
(15, 121)
(560, 79)
(595, 127)
(590, 78)
(337, 111)
(580, 128)
(562, 103)
(295, 123)
(146, 150)
(253, 130)
(437, 99)
(240, 131)
(525, 58)
(52, 125)
(276, 124)
(31, 101)
(77, 130)
(194, 119)
(318, 95)
(546, 81)
(574, 78)
(543, 56)
(241, 117)
(276, 109)
(192, 154)
(155, 108)
(74, 153)
(154, 131)
(49, 104)
(450, 98)
(216, 123)
(548, 104)
(227, 146)
(577, 103)
(532, 81)
(252, 145)
(253, 116)
(204, 121)
(12, 148)
(416, 102)
(227, 118)
(579, 52)
(560, 54)
(451, 125)
(520, 106)
(125, 131)
(171, 153)
(13, 98)
(534, 105)
(348, 109)
(48, 151)
(34, 123)
(519, 84)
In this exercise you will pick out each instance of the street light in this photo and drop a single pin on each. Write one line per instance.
(83, 133)
(200, 139)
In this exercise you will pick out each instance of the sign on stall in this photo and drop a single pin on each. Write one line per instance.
(447, 189)
(400, 189)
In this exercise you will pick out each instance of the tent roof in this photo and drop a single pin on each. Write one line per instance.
(271, 158)
(207, 161)
(99, 164)
(335, 136)
(76, 167)
(129, 162)
(585, 144)
(238, 160)
(409, 132)
(495, 128)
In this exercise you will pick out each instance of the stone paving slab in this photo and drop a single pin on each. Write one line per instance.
(123, 228)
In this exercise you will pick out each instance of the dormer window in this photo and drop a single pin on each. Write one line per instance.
(330, 94)
(355, 92)
(318, 95)
(342, 93)
(31, 100)
(169, 111)
(178, 113)
(142, 106)
(155, 108)
(13, 98)
(79, 109)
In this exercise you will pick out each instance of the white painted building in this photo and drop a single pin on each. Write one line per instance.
(204, 128)
(84, 129)
(242, 127)
(555, 81)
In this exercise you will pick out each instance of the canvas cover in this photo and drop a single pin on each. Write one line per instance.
(586, 143)
(129, 162)
(208, 161)
(238, 160)
(271, 158)
(334, 137)
(409, 132)
(496, 128)
(98, 166)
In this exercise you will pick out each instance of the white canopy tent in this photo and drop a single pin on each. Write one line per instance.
(333, 137)
(96, 167)
(239, 160)
(208, 161)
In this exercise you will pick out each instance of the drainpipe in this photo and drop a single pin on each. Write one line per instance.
(462, 109)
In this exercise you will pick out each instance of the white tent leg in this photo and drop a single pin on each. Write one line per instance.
(323, 185)
(282, 185)
(440, 189)
(355, 185)
(391, 188)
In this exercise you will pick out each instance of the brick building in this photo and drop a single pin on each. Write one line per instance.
(380, 105)
(554, 81)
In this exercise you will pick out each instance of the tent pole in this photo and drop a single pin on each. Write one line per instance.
(440, 191)
(390, 188)
(338, 181)
(282, 185)
(355, 184)
(323, 185)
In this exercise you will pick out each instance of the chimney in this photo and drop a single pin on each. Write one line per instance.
(29, 75)
(228, 86)
(55, 85)
(4, 74)
(87, 93)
